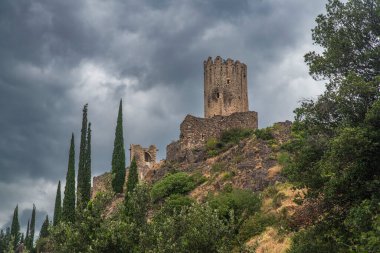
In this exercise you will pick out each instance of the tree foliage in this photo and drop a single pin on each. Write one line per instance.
(84, 169)
(57, 206)
(68, 207)
(133, 177)
(349, 35)
(334, 153)
(118, 155)
(44, 232)
(32, 228)
(15, 227)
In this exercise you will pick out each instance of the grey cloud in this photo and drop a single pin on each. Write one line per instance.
(150, 53)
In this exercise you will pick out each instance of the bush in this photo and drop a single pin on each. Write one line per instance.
(227, 139)
(283, 158)
(177, 183)
(233, 136)
(196, 228)
(255, 225)
(242, 202)
(264, 134)
(175, 203)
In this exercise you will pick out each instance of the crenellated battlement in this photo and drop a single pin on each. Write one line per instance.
(225, 87)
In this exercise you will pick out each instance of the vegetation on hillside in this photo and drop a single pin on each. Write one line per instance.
(331, 169)
(336, 145)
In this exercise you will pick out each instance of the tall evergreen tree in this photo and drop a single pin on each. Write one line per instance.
(87, 179)
(57, 206)
(68, 208)
(44, 232)
(2, 241)
(133, 177)
(32, 229)
(27, 233)
(15, 228)
(81, 181)
(118, 156)
(22, 238)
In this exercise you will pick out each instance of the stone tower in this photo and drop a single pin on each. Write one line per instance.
(145, 158)
(225, 87)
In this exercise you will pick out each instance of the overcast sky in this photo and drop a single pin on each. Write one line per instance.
(55, 56)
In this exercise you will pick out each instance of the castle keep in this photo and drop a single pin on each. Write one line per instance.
(225, 87)
(225, 107)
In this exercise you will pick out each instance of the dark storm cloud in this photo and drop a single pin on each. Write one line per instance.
(56, 56)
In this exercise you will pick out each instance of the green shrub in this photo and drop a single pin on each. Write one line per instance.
(233, 136)
(241, 202)
(211, 143)
(227, 139)
(255, 225)
(177, 183)
(175, 203)
(283, 158)
(264, 134)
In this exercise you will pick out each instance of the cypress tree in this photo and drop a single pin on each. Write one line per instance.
(87, 183)
(32, 229)
(81, 181)
(22, 238)
(44, 232)
(118, 155)
(27, 234)
(15, 228)
(57, 206)
(133, 177)
(2, 241)
(68, 208)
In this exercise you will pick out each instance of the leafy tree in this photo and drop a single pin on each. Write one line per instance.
(118, 155)
(44, 232)
(68, 208)
(81, 180)
(57, 206)
(349, 35)
(15, 228)
(334, 153)
(197, 228)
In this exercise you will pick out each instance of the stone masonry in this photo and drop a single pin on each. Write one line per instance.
(225, 87)
(225, 107)
(145, 158)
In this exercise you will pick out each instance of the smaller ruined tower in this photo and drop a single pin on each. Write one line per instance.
(145, 158)
(225, 87)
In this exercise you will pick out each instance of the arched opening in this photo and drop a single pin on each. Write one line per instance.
(147, 157)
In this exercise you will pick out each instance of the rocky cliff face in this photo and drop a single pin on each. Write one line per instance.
(250, 164)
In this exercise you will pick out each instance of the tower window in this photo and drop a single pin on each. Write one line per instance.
(217, 95)
(228, 81)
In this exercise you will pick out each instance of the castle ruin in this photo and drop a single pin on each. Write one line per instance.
(225, 87)
(225, 107)
(145, 158)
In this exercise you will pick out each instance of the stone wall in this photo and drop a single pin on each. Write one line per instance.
(194, 131)
(225, 87)
(145, 158)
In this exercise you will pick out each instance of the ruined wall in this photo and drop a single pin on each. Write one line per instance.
(196, 131)
(225, 87)
(145, 158)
